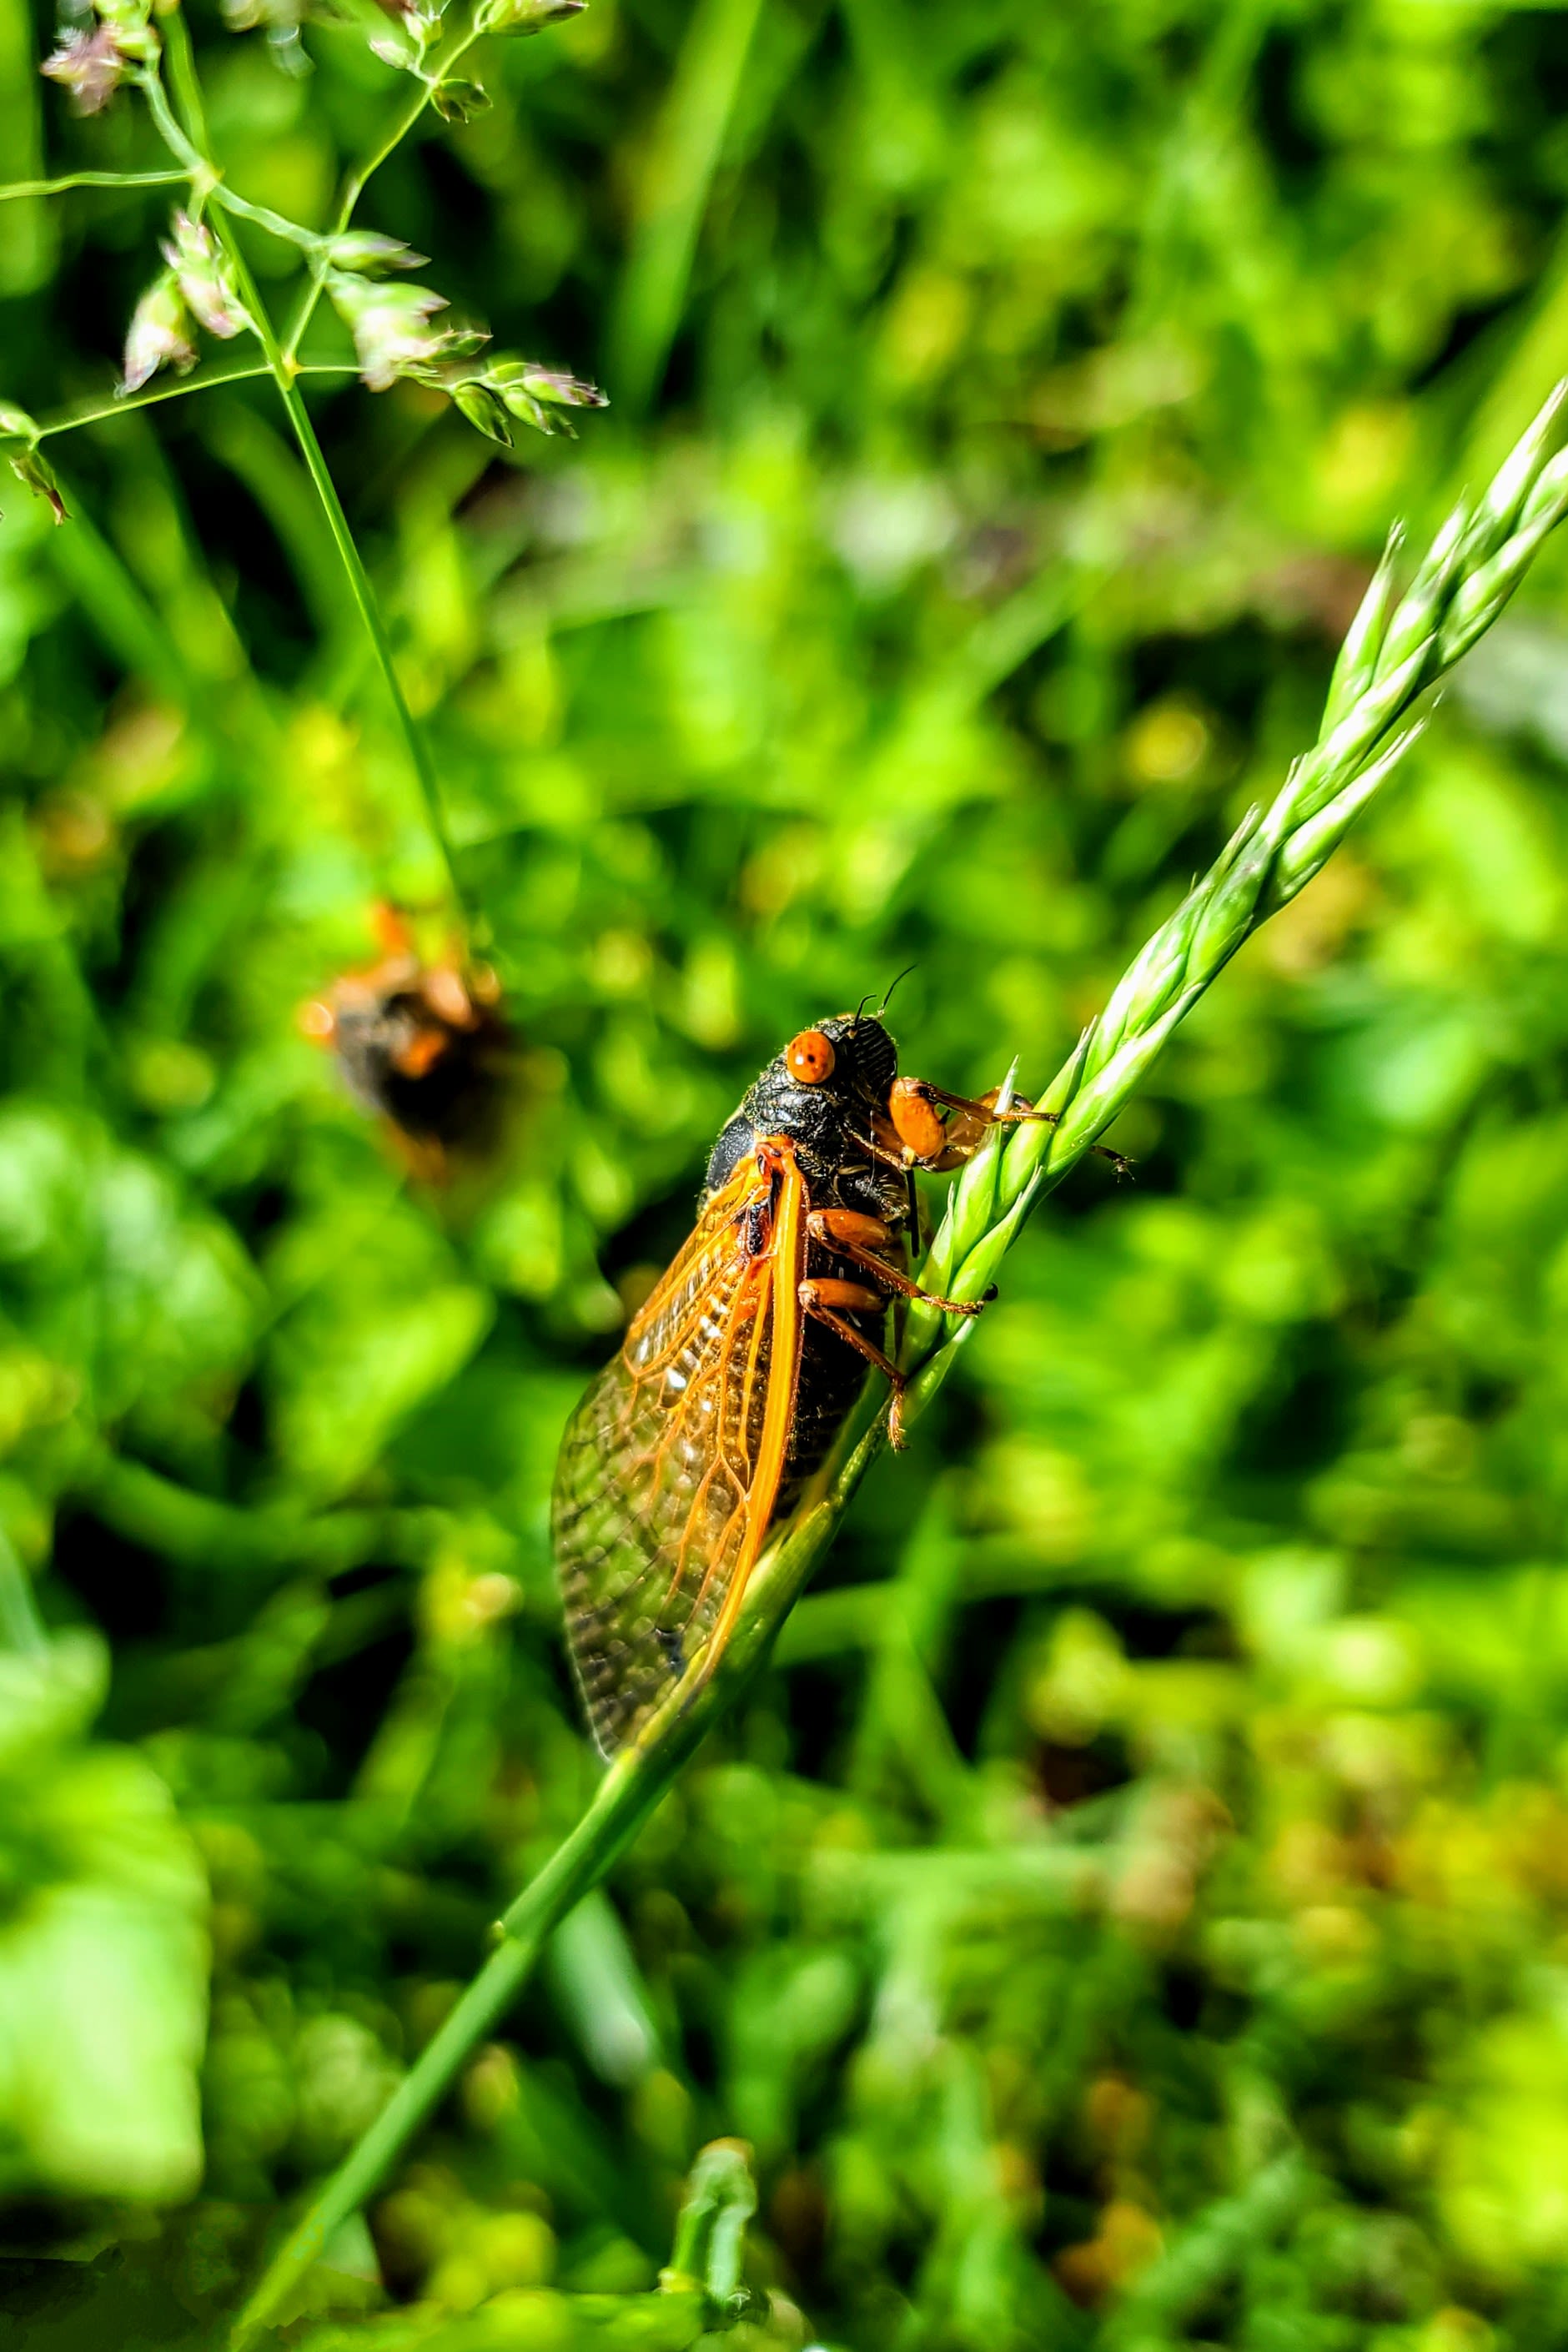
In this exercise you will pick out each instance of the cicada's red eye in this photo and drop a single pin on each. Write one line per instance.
(809, 1057)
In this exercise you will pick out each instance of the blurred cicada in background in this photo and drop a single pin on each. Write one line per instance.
(426, 1045)
(737, 1375)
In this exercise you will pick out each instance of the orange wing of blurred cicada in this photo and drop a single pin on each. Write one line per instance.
(671, 1466)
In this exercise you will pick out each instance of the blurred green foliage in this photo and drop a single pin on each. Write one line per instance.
(1134, 1910)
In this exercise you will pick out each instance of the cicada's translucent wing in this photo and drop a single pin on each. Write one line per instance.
(670, 1467)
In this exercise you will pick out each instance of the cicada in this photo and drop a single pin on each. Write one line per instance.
(427, 1045)
(697, 1441)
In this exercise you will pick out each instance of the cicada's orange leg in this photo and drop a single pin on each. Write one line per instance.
(850, 1233)
(862, 1239)
(938, 1131)
(390, 926)
(824, 1298)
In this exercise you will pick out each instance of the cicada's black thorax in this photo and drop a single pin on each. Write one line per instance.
(831, 1125)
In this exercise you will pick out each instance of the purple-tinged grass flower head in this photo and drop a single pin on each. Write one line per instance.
(160, 334)
(526, 18)
(97, 50)
(90, 65)
(206, 277)
(366, 249)
(534, 393)
(391, 328)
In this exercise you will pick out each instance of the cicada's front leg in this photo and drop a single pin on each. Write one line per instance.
(938, 1131)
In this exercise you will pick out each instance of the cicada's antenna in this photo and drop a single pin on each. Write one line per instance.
(889, 998)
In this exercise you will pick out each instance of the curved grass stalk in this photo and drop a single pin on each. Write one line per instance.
(182, 129)
(625, 1798)
(454, 51)
(190, 143)
(181, 126)
(1394, 652)
(1395, 649)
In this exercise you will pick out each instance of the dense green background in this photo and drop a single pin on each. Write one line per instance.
(1134, 1910)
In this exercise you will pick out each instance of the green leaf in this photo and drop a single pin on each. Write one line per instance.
(344, 1381)
(103, 1952)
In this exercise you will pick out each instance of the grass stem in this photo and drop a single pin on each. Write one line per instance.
(622, 1803)
(68, 179)
(284, 372)
(209, 379)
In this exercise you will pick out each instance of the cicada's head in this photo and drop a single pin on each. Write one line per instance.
(828, 1092)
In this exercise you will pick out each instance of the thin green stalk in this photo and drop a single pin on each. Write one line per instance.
(616, 1813)
(402, 124)
(189, 142)
(209, 379)
(1394, 652)
(359, 580)
(274, 224)
(187, 83)
(359, 179)
(284, 370)
(626, 1796)
(197, 166)
(360, 590)
(91, 180)
(628, 1793)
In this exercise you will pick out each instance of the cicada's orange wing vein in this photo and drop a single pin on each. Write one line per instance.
(671, 1466)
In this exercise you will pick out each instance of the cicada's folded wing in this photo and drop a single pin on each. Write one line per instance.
(670, 1467)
